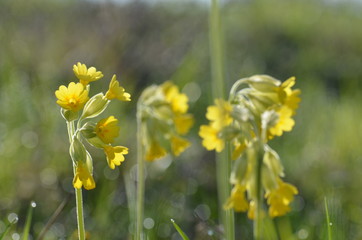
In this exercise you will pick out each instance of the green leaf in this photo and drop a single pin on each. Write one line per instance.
(183, 235)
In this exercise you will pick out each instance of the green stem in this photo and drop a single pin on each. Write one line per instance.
(259, 197)
(140, 180)
(80, 217)
(78, 192)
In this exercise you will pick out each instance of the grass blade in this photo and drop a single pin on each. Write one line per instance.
(183, 235)
(329, 226)
(29, 217)
(7, 228)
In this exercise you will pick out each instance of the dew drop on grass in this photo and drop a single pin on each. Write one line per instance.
(330, 224)
(13, 218)
(33, 204)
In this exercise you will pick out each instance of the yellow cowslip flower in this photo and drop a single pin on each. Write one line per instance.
(155, 151)
(251, 212)
(220, 114)
(284, 123)
(280, 198)
(177, 100)
(183, 123)
(238, 150)
(115, 91)
(72, 97)
(178, 145)
(83, 177)
(115, 155)
(210, 137)
(237, 200)
(107, 129)
(86, 75)
(288, 96)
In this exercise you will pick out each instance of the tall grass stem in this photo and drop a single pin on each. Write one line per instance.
(222, 159)
(329, 227)
(140, 179)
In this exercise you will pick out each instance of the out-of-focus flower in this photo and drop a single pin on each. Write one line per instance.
(163, 111)
(211, 139)
(178, 145)
(86, 75)
(280, 198)
(72, 97)
(115, 155)
(83, 177)
(115, 91)
(107, 129)
(260, 111)
(237, 199)
(154, 151)
(177, 100)
(220, 114)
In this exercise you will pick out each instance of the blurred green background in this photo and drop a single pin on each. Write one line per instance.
(319, 42)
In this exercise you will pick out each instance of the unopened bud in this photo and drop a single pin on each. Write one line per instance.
(263, 83)
(95, 106)
(77, 151)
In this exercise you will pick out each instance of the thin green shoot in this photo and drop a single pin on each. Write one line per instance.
(29, 217)
(329, 224)
(179, 230)
(8, 227)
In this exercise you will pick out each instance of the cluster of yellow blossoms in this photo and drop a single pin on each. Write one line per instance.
(162, 111)
(72, 100)
(259, 108)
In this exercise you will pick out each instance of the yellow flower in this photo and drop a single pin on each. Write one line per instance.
(284, 123)
(178, 145)
(251, 212)
(183, 123)
(237, 200)
(115, 155)
(72, 98)
(210, 137)
(288, 96)
(239, 149)
(107, 129)
(83, 177)
(116, 91)
(280, 198)
(86, 75)
(155, 151)
(177, 100)
(220, 114)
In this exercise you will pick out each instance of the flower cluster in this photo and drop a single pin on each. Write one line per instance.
(164, 120)
(74, 99)
(259, 108)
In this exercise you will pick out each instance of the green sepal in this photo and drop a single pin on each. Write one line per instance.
(69, 115)
(96, 142)
(88, 130)
(77, 151)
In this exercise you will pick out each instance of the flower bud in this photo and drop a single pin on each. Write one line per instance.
(95, 106)
(263, 83)
(77, 151)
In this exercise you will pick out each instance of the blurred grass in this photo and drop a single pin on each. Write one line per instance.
(319, 42)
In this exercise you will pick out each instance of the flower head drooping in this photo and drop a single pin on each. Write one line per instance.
(115, 155)
(86, 75)
(115, 91)
(163, 111)
(107, 129)
(72, 97)
(75, 98)
(83, 177)
(261, 110)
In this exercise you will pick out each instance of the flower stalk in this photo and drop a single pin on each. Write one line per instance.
(74, 99)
